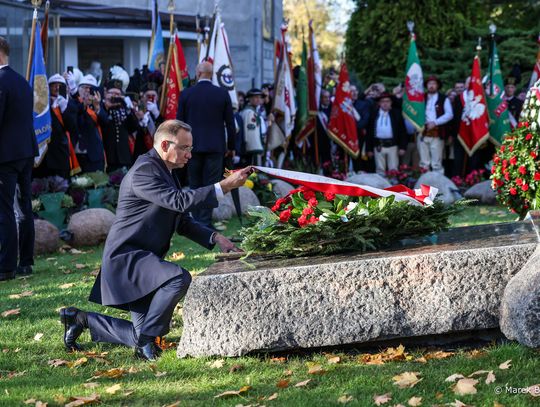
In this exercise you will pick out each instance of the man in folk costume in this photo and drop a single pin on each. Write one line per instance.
(514, 104)
(438, 116)
(386, 135)
(90, 119)
(121, 123)
(149, 118)
(60, 158)
(253, 127)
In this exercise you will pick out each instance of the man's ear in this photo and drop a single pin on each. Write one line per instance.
(164, 146)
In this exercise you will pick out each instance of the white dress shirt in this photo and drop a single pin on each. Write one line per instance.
(3, 66)
(384, 126)
(431, 112)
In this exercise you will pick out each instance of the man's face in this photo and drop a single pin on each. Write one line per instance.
(54, 89)
(354, 93)
(113, 94)
(510, 90)
(255, 100)
(177, 153)
(432, 86)
(84, 91)
(325, 98)
(150, 96)
(385, 104)
(459, 87)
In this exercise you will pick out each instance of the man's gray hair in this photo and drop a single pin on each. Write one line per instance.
(168, 129)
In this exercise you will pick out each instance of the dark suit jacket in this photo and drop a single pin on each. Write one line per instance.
(398, 130)
(116, 138)
(151, 206)
(17, 138)
(89, 138)
(208, 109)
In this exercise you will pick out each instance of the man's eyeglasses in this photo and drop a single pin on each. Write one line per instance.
(185, 149)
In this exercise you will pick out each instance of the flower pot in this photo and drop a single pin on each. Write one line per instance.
(95, 198)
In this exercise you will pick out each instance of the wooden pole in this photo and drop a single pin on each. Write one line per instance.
(169, 53)
(31, 48)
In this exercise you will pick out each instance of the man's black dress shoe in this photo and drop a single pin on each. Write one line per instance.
(7, 275)
(147, 352)
(24, 270)
(72, 329)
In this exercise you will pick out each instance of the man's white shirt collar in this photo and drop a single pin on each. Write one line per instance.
(3, 66)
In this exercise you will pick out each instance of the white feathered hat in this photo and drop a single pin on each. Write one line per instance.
(120, 74)
(57, 78)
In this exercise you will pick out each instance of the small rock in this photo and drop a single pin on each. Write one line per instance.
(483, 192)
(90, 227)
(371, 180)
(281, 188)
(46, 238)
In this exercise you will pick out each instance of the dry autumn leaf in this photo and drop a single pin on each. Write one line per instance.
(23, 294)
(38, 336)
(216, 364)
(30, 401)
(302, 384)
(388, 355)
(497, 404)
(334, 360)
(345, 399)
(476, 353)
(57, 362)
(278, 360)
(534, 390)
(506, 365)
(78, 362)
(178, 256)
(406, 379)
(490, 378)
(380, 399)
(83, 400)
(415, 401)
(287, 372)
(272, 397)
(109, 374)
(283, 384)
(316, 369)
(66, 286)
(478, 373)
(454, 377)
(91, 385)
(465, 386)
(236, 368)
(113, 389)
(458, 403)
(79, 266)
(438, 355)
(10, 312)
(230, 393)
(75, 251)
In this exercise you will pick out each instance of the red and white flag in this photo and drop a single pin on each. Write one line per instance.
(177, 78)
(314, 73)
(342, 125)
(474, 127)
(536, 72)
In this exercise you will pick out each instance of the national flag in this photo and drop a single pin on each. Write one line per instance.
(305, 125)
(177, 78)
(156, 56)
(474, 127)
(219, 54)
(314, 73)
(499, 122)
(342, 125)
(536, 71)
(42, 113)
(414, 107)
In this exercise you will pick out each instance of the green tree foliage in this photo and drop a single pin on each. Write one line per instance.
(447, 33)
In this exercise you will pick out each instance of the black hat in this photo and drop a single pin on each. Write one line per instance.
(150, 86)
(510, 80)
(269, 86)
(113, 84)
(254, 92)
(384, 95)
(433, 78)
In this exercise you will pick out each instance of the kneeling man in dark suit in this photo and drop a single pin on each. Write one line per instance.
(134, 275)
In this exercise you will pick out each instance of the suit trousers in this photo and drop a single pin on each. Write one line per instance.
(204, 169)
(431, 153)
(150, 315)
(385, 160)
(13, 173)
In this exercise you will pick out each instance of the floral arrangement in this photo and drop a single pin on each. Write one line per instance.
(262, 187)
(515, 173)
(405, 175)
(48, 185)
(307, 222)
(82, 181)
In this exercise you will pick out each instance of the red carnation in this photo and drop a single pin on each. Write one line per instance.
(313, 202)
(507, 176)
(522, 170)
(313, 220)
(302, 221)
(511, 148)
(513, 160)
(329, 196)
(513, 191)
(493, 169)
(307, 211)
(519, 181)
(525, 187)
(503, 148)
(505, 163)
(308, 194)
(285, 216)
(533, 154)
(537, 176)
(528, 136)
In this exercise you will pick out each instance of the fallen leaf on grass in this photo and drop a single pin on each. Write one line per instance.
(490, 378)
(75, 251)
(216, 364)
(439, 355)
(160, 374)
(316, 369)
(128, 393)
(506, 365)
(109, 374)
(283, 384)
(57, 362)
(458, 403)
(415, 401)
(13, 374)
(476, 353)
(50, 259)
(178, 256)
(113, 389)
(478, 373)
(236, 368)
(534, 390)
(230, 393)
(23, 294)
(83, 400)
(278, 360)
(77, 363)
(9, 312)
(91, 385)
(465, 386)
(272, 397)
(302, 384)
(334, 360)
(497, 404)
(388, 355)
(38, 336)
(79, 266)
(94, 272)
(176, 404)
(381, 399)
(345, 399)
(439, 395)
(66, 286)
(406, 379)
(288, 372)
(454, 377)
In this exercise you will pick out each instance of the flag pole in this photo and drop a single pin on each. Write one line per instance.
(170, 8)
(36, 4)
(44, 35)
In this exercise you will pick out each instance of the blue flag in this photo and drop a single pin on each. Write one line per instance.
(157, 51)
(42, 113)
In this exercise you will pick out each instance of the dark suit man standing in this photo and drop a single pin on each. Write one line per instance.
(208, 110)
(134, 275)
(18, 148)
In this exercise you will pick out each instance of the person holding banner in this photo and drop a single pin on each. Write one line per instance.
(18, 147)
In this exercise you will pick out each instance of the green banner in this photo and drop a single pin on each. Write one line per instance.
(302, 112)
(499, 121)
(414, 107)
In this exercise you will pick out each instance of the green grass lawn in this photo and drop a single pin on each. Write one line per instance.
(32, 339)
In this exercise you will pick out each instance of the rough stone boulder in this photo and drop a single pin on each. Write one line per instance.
(372, 180)
(277, 304)
(483, 192)
(225, 210)
(47, 238)
(448, 191)
(281, 188)
(90, 227)
(520, 307)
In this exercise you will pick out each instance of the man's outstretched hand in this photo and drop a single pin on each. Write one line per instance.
(235, 180)
(225, 245)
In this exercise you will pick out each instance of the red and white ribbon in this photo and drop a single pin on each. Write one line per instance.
(421, 196)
